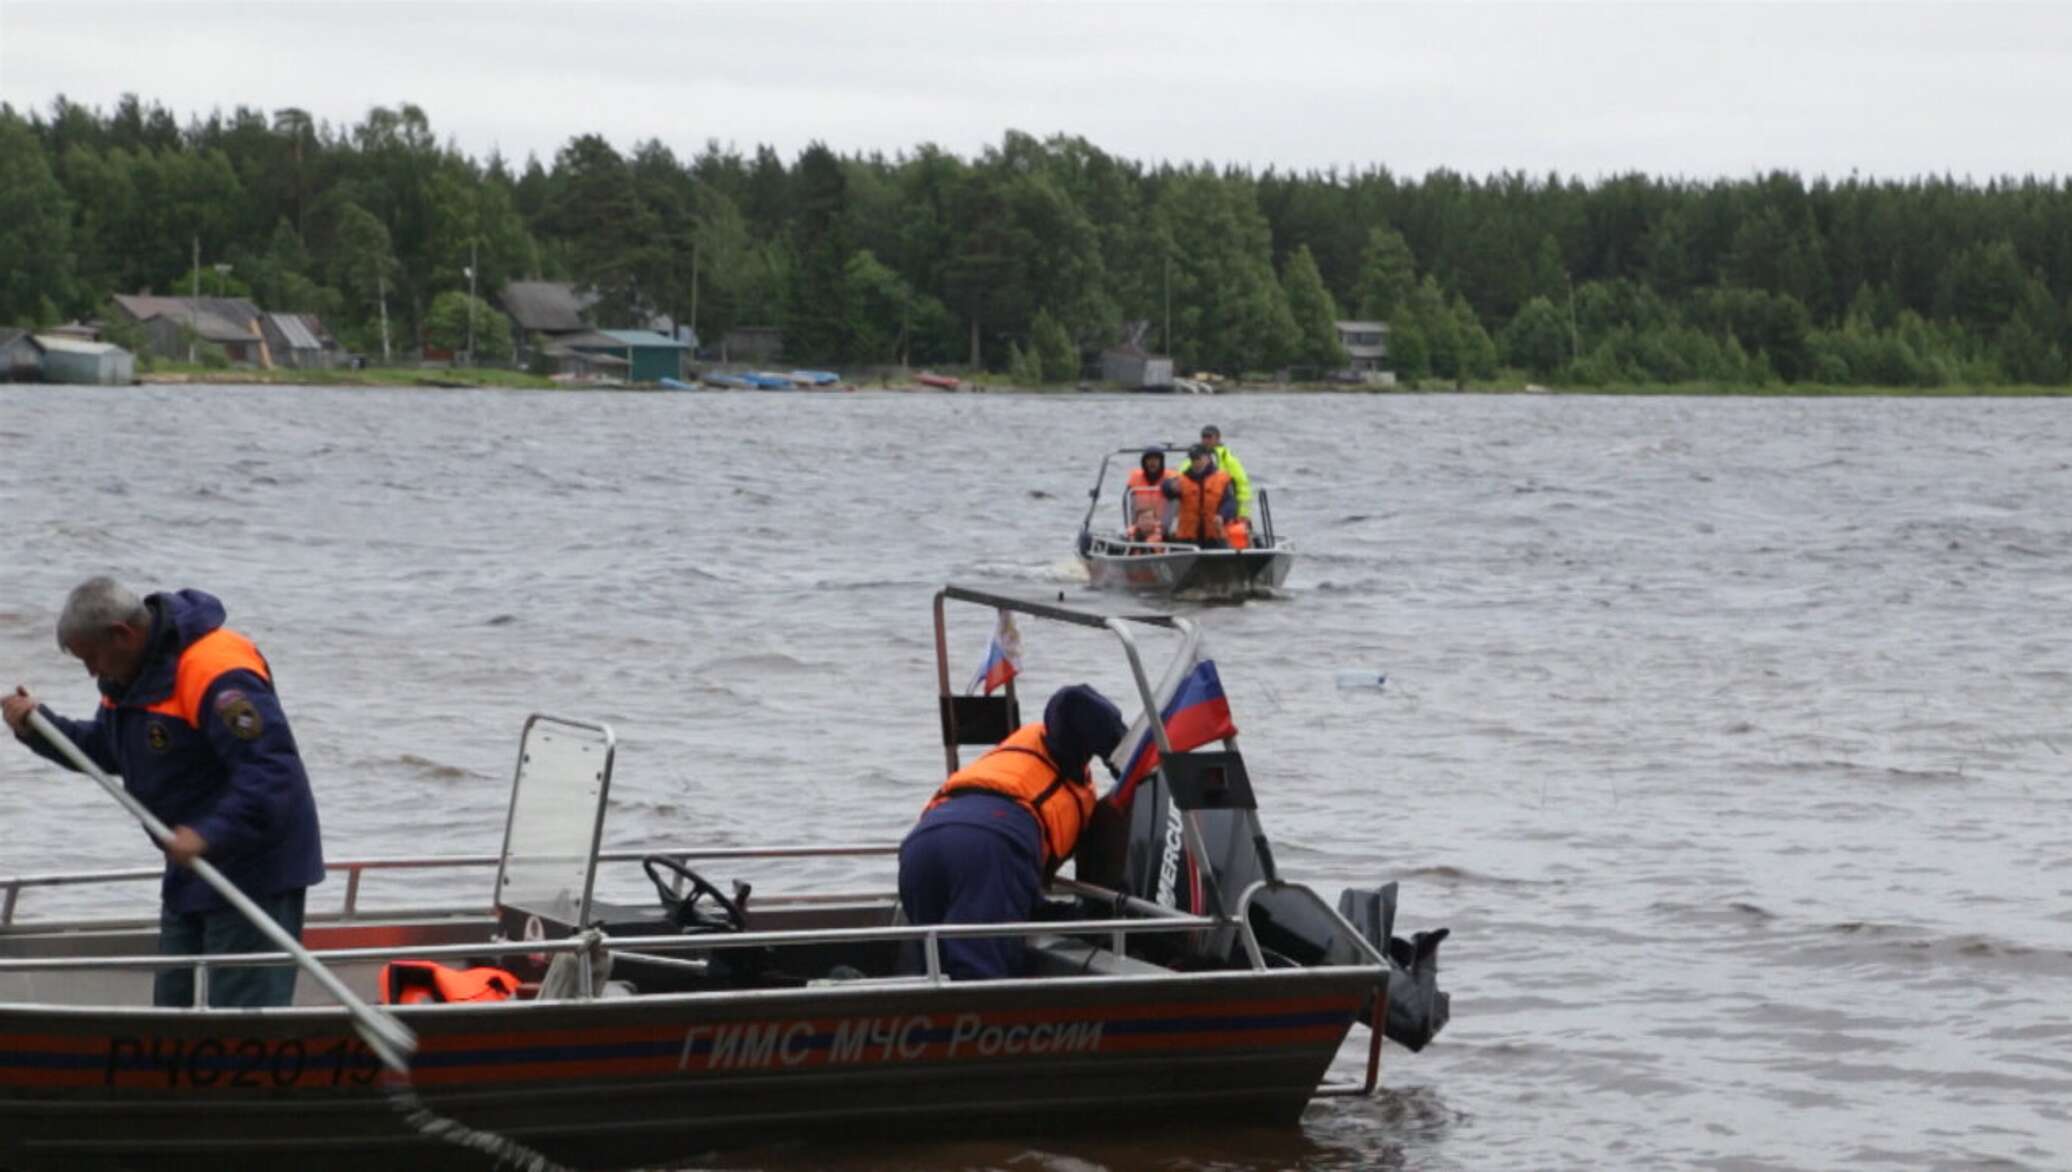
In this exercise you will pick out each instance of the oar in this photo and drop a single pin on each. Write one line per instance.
(391, 1040)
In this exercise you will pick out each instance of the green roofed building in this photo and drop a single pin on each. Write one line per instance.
(650, 357)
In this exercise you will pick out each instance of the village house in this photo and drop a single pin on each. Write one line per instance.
(21, 359)
(172, 324)
(1366, 345)
(1132, 366)
(69, 360)
(548, 311)
(298, 341)
(649, 356)
(1129, 364)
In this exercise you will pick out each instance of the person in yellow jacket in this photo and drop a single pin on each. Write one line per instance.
(1001, 826)
(1226, 460)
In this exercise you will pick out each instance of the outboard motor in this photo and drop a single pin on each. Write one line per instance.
(1292, 926)
(1418, 1008)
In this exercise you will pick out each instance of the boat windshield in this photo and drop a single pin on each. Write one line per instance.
(556, 818)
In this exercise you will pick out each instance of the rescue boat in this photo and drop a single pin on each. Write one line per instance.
(1115, 560)
(1181, 973)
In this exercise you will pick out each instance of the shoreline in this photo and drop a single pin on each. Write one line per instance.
(514, 380)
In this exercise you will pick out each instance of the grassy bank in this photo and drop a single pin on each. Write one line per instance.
(991, 382)
(178, 372)
(1707, 389)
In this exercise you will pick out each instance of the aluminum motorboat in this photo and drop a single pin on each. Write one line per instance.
(1116, 559)
(660, 1020)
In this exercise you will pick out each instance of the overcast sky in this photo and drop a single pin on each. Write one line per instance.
(1675, 88)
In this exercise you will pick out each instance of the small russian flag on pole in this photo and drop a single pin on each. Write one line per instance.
(1003, 658)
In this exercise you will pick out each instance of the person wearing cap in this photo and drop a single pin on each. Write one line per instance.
(1000, 827)
(1212, 438)
(1207, 502)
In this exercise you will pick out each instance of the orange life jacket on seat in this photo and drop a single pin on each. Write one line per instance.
(410, 982)
(1199, 499)
(1020, 768)
(1238, 533)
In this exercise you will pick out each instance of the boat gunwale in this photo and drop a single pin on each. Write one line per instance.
(11, 887)
(934, 989)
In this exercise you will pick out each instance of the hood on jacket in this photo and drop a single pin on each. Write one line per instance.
(178, 618)
(1079, 724)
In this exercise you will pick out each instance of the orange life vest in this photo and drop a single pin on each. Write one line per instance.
(1144, 492)
(409, 982)
(1199, 499)
(201, 662)
(1238, 533)
(1020, 768)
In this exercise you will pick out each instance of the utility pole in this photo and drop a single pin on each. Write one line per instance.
(1169, 304)
(694, 290)
(1575, 345)
(194, 302)
(381, 293)
(471, 303)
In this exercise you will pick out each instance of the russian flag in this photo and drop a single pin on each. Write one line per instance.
(1003, 658)
(1197, 714)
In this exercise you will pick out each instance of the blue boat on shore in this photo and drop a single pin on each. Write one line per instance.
(763, 380)
(815, 378)
(728, 382)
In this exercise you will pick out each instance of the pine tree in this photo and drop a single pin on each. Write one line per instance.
(1315, 314)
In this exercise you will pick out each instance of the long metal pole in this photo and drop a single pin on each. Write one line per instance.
(391, 1040)
(194, 302)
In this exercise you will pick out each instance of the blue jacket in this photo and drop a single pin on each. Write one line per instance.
(233, 774)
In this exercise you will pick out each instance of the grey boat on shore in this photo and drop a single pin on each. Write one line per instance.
(1116, 561)
(694, 1017)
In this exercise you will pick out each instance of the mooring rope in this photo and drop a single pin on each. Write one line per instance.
(507, 1152)
(563, 981)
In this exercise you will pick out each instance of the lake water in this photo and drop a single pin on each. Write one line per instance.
(1730, 736)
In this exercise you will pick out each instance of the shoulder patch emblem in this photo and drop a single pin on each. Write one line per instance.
(157, 737)
(238, 715)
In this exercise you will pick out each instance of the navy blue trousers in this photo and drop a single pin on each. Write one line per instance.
(225, 930)
(973, 860)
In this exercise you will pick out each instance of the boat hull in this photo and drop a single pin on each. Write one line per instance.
(625, 1082)
(1213, 574)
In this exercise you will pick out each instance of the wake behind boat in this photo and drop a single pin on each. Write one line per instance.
(1194, 984)
(1125, 558)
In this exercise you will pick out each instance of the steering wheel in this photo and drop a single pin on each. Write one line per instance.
(683, 910)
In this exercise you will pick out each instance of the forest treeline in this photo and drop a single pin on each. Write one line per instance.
(1038, 249)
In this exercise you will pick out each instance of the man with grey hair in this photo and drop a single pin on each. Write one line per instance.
(189, 718)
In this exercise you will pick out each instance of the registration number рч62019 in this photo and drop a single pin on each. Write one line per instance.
(252, 1063)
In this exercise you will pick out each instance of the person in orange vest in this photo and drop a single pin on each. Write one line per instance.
(1146, 528)
(1206, 501)
(1146, 497)
(1147, 478)
(1003, 825)
(189, 718)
